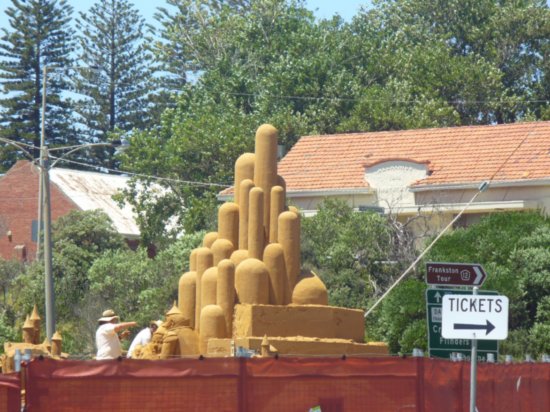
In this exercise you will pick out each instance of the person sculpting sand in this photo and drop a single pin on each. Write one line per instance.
(143, 337)
(107, 339)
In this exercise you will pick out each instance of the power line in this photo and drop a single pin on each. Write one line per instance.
(357, 99)
(121, 172)
(483, 186)
(101, 169)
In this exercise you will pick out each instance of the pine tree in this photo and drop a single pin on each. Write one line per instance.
(40, 36)
(116, 78)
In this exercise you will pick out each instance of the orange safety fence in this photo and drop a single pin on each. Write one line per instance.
(284, 384)
(10, 392)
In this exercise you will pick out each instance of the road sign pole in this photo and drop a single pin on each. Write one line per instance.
(473, 369)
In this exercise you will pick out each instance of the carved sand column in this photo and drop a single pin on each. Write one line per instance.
(221, 249)
(245, 188)
(238, 256)
(187, 292)
(255, 224)
(281, 182)
(193, 261)
(212, 326)
(204, 261)
(225, 293)
(244, 169)
(228, 223)
(289, 238)
(209, 285)
(209, 238)
(274, 259)
(265, 166)
(277, 207)
(252, 282)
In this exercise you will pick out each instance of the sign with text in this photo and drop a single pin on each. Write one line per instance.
(474, 317)
(455, 274)
(440, 347)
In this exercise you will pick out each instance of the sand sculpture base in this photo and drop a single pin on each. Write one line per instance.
(314, 321)
(267, 330)
(298, 346)
(298, 330)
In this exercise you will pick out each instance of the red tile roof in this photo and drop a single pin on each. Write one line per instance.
(454, 155)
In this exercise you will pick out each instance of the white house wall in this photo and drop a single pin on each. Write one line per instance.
(312, 203)
(533, 197)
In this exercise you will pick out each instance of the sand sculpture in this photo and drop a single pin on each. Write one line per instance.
(31, 344)
(245, 287)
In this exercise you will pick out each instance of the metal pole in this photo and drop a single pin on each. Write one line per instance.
(473, 368)
(41, 173)
(47, 217)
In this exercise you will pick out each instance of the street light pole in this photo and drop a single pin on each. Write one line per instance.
(47, 219)
(40, 174)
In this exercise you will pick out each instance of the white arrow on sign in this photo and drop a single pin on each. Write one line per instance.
(437, 297)
(479, 275)
(482, 317)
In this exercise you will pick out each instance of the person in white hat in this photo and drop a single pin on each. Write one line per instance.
(144, 336)
(106, 337)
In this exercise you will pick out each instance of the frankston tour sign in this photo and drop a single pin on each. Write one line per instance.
(454, 274)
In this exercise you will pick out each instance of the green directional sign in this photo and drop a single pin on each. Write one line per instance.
(440, 347)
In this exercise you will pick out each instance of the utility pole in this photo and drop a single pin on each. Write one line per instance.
(41, 173)
(473, 368)
(47, 218)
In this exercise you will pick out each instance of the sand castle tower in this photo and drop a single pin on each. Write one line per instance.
(245, 284)
(31, 344)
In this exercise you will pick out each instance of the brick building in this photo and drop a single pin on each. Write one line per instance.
(69, 190)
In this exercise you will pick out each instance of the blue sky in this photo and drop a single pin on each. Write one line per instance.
(323, 8)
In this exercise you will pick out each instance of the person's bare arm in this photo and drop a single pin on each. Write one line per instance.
(124, 325)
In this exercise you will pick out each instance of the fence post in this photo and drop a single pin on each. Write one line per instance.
(420, 389)
(461, 387)
(243, 400)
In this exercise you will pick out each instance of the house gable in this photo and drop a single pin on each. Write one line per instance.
(391, 179)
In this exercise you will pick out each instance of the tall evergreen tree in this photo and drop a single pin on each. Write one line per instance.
(176, 47)
(39, 36)
(116, 77)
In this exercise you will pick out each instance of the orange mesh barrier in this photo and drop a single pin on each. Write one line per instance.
(10, 392)
(133, 385)
(286, 384)
(353, 384)
(517, 387)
